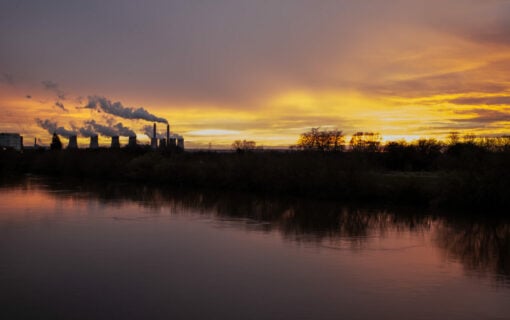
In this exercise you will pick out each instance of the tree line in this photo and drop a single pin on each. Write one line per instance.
(335, 141)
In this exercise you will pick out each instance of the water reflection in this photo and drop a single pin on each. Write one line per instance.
(480, 245)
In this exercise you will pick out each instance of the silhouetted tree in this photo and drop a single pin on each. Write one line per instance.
(365, 141)
(243, 146)
(321, 140)
(55, 142)
(453, 138)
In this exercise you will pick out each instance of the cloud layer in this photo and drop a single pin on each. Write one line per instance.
(265, 69)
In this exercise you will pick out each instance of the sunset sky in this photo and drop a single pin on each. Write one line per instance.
(261, 70)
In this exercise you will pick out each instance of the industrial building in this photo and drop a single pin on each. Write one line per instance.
(11, 141)
(170, 142)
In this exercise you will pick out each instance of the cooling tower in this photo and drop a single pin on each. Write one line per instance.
(171, 143)
(94, 144)
(115, 142)
(132, 141)
(180, 142)
(162, 143)
(154, 143)
(73, 143)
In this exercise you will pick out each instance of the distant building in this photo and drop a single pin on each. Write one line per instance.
(11, 141)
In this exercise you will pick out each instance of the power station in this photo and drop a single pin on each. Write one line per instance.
(170, 142)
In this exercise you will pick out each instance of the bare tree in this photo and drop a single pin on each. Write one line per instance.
(244, 145)
(321, 140)
(365, 141)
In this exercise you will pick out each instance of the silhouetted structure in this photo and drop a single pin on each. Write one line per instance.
(115, 142)
(172, 143)
(162, 143)
(55, 142)
(180, 143)
(132, 142)
(154, 139)
(94, 142)
(11, 141)
(73, 143)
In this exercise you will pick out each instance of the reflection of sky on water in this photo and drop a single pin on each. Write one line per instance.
(264, 255)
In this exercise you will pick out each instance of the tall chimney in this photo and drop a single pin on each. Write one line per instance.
(167, 133)
(115, 142)
(73, 143)
(154, 140)
(94, 144)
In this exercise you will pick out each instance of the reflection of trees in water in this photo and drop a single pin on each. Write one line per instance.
(300, 220)
(478, 246)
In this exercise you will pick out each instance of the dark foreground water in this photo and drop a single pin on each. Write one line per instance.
(128, 252)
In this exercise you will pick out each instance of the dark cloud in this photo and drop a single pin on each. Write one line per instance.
(484, 116)
(458, 82)
(54, 87)
(53, 127)
(117, 109)
(60, 105)
(28, 96)
(496, 100)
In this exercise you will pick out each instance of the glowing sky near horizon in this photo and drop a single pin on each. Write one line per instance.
(259, 70)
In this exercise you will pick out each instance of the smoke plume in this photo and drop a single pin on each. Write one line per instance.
(117, 109)
(92, 127)
(87, 131)
(149, 132)
(52, 127)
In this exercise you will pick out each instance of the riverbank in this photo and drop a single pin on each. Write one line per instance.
(447, 181)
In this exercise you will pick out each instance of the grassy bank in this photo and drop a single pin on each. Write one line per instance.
(447, 179)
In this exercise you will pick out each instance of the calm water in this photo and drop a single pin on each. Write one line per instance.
(126, 252)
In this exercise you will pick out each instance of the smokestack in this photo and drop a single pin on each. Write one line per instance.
(154, 140)
(94, 142)
(168, 133)
(132, 142)
(115, 142)
(73, 142)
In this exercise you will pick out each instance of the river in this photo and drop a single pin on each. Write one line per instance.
(101, 251)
